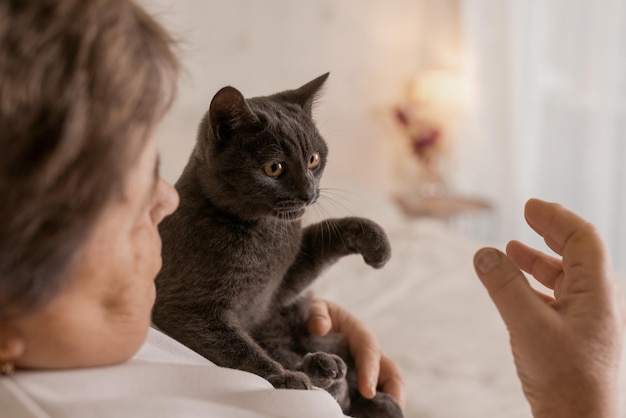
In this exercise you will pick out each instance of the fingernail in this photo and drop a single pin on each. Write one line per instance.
(373, 389)
(486, 260)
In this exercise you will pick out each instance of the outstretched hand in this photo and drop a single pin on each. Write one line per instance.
(374, 369)
(566, 346)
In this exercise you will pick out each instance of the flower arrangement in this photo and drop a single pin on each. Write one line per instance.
(423, 141)
(426, 122)
(425, 137)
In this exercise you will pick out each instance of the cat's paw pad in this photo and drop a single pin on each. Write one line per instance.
(290, 380)
(324, 369)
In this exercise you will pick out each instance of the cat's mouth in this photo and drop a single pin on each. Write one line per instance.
(289, 214)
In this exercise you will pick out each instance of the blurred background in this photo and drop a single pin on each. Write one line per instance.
(455, 109)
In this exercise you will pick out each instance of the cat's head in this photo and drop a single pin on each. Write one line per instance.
(262, 156)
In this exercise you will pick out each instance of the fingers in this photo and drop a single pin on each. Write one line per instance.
(325, 317)
(374, 369)
(565, 233)
(320, 323)
(507, 286)
(391, 381)
(553, 222)
(367, 358)
(586, 264)
(547, 270)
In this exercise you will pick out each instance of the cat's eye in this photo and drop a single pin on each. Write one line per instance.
(273, 169)
(314, 160)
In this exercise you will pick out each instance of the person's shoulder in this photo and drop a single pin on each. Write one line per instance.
(161, 348)
(163, 379)
(148, 388)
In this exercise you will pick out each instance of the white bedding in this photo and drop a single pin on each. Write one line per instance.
(432, 315)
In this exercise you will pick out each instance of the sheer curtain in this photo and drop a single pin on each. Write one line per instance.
(549, 114)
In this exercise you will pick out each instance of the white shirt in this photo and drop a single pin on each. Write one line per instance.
(164, 379)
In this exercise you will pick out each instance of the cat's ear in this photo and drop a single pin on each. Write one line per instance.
(306, 95)
(228, 112)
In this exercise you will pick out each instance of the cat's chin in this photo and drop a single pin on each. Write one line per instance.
(290, 215)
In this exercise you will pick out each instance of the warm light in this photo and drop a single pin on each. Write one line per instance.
(428, 121)
(443, 92)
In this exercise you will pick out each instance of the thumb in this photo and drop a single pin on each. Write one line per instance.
(320, 322)
(507, 286)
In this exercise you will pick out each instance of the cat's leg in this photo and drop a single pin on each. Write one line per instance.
(228, 345)
(335, 238)
(325, 242)
(240, 351)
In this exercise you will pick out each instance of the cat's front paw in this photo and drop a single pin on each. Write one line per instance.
(290, 380)
(370, 240)
(324, 369)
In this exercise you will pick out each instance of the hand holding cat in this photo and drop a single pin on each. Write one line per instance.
(567, 348)
(374, 369)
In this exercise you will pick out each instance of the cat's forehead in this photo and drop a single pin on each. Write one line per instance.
(281, 143)
(279, 112)
(287, 127)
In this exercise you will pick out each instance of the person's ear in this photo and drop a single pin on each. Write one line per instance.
(12, 346)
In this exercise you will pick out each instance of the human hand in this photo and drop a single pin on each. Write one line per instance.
(567, 346)
(374, 369)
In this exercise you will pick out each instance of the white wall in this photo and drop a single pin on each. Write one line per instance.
(371, 48)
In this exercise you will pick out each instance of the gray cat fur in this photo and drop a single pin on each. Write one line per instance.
(237, 262)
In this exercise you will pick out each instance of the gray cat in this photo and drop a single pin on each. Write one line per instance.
(237, 262)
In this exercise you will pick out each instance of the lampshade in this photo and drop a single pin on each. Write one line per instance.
(444, 92)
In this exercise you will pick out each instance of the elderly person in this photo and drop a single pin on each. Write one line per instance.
(83, 83)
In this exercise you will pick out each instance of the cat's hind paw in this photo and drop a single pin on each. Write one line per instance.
(324, 369)
(381, 406)
(290, 380)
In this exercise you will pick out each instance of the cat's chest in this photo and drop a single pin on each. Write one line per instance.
(266, 243)
(252, 259)
(259, 258)
(237, 265)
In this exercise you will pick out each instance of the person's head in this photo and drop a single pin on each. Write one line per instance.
(83, 83)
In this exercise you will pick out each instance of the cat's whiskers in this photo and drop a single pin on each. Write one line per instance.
(320, 216)
(327, 222)
(339, 192)
(277, 233)
(282, 231)
(335, 196)
(332, 226)
(336, 203)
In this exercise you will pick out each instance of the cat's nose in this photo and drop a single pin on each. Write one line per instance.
(309, 197)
